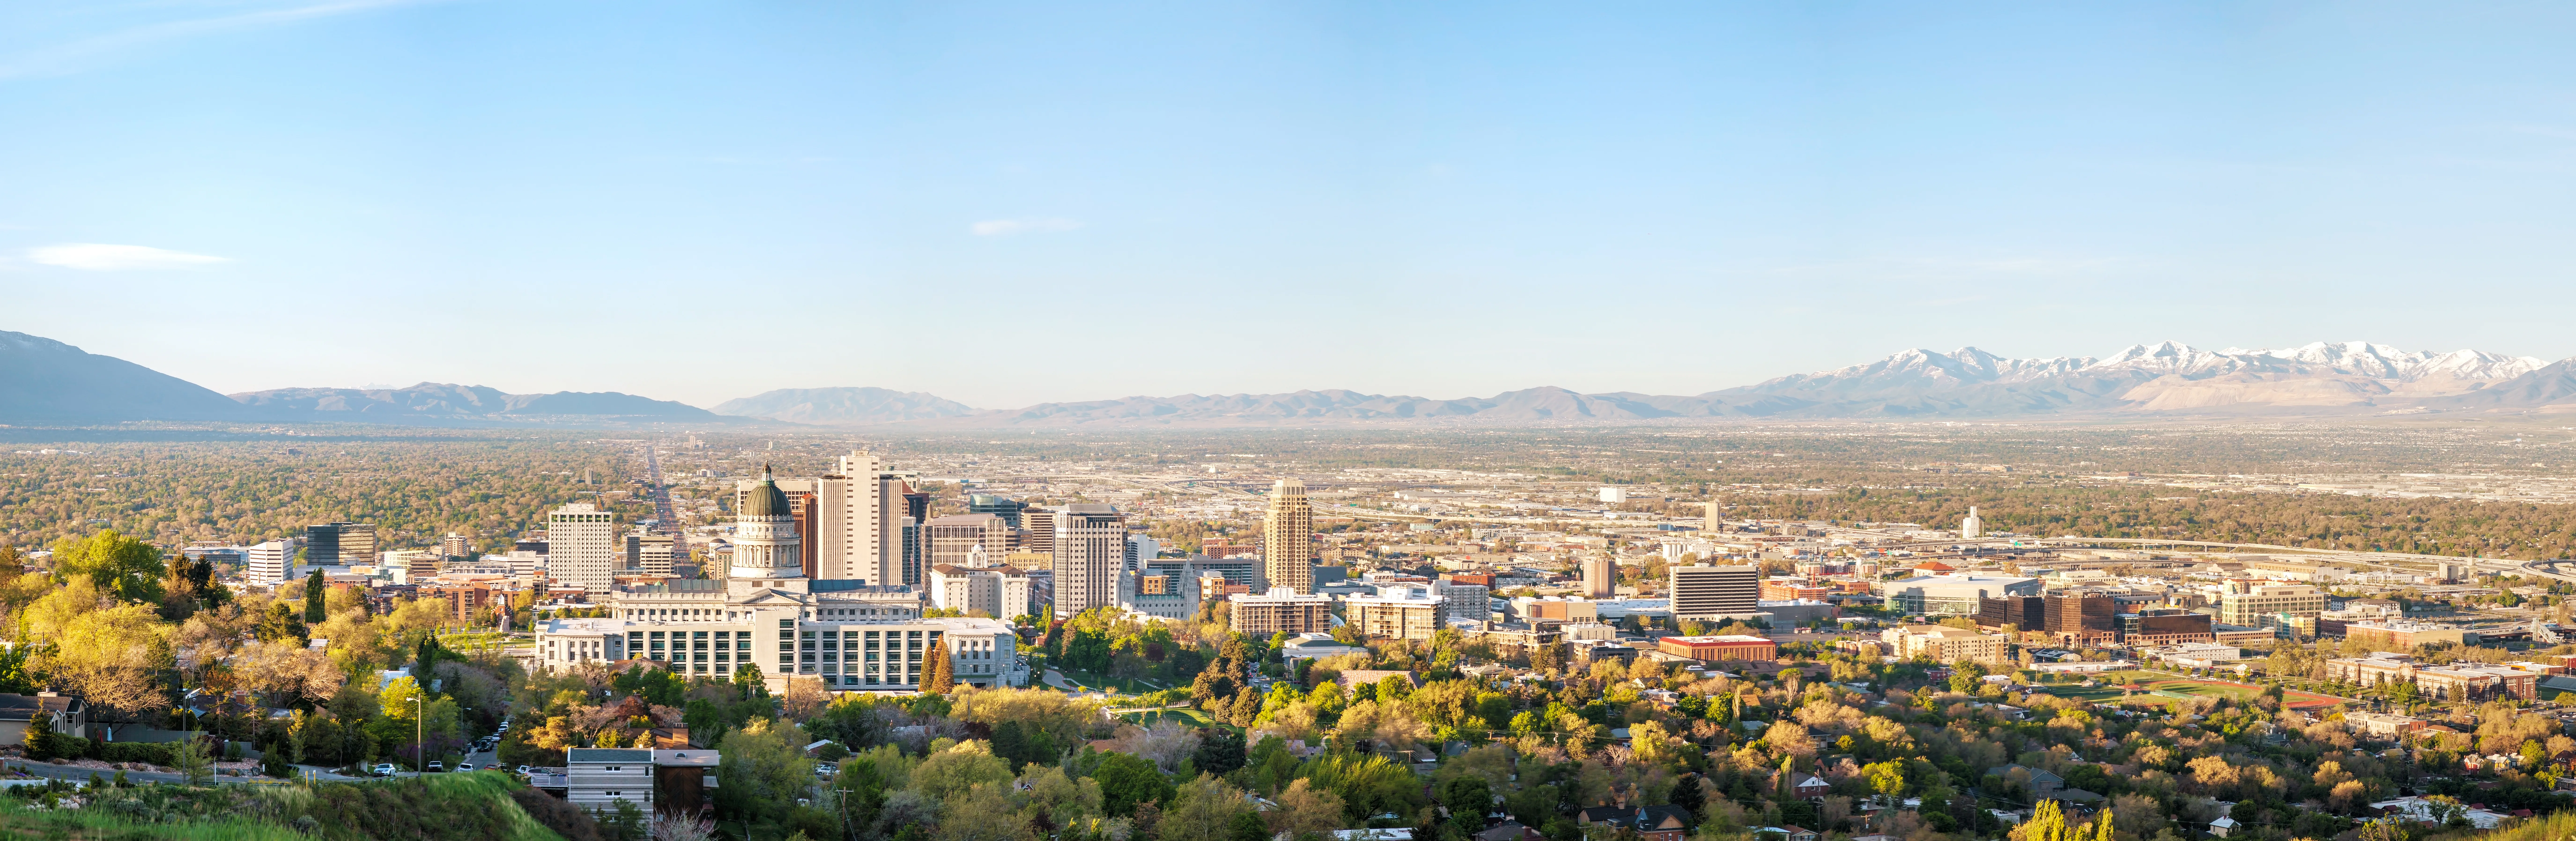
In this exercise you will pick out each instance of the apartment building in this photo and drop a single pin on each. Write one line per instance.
(1721, 647)
(1280, 610)
(1397, 612)
(1944, 644)
(2261, 604)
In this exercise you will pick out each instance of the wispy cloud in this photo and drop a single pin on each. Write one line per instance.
(1007, 227)
(86, 53)
(98, 257)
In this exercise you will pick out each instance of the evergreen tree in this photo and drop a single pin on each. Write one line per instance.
(314, 613)
(941, 677)
(40, 736)
(1688, 795)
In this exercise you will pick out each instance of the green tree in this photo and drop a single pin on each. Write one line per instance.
(127, 567)
(1127, 780)
(1468, 799)
(762, 770)
(314, 589)
(1203, 808)
(192, 761)
(1885, 778)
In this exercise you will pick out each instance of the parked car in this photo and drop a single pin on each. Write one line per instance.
(437, 767)
(382, 769)
(464, 766)
(523, 770)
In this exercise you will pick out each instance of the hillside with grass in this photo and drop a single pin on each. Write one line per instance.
(438, 807)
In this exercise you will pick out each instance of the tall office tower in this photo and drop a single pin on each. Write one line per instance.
(859, 537)
(1969, 526)
(1713, 524)
(839, 500)
(1040, 525)
(916, 504)
(954, 538)
(1710, 592)
(453, 545)
(337, 544)
(804, 509)
(1090, 553)
(1000, 506)
(270, 562)
(1600, 577)
(648, 552)
(912, 545)
(1288, 538)
(766, 544)
(581, 546)
(1141, 550)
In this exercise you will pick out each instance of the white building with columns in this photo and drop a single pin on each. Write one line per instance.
(853, 635)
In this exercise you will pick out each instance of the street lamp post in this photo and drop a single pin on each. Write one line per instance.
(420, 734)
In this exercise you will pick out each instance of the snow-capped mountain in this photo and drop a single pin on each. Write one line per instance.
(2387, 362)
(2161, 377)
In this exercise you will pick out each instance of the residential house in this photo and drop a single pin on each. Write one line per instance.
(1651, 823)
(65, 712)
(2039, 780)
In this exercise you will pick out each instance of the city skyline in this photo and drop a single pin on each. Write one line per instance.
(1669, 200)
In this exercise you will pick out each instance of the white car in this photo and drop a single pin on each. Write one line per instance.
(382, 769)
(464, 766)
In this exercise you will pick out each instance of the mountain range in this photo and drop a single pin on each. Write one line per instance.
(444, 402)
(2164, 379)
(43, 381)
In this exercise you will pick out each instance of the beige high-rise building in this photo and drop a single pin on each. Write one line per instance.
(858, 524)
(1600, 577)
(1090, 554)
(954, 538)
(1711, 527)
(1288, 538)
(583, 544)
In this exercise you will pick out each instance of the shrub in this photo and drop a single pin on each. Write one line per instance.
(157, 753)
(564, 818)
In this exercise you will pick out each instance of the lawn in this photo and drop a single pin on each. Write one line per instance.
(2158, 688)
(1185, 716)
(1122, 686)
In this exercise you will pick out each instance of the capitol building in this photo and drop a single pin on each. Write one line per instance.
(766, 613)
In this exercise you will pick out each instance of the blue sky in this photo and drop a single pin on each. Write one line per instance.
(1004, 204)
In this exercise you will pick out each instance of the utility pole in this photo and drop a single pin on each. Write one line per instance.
(420, 734)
